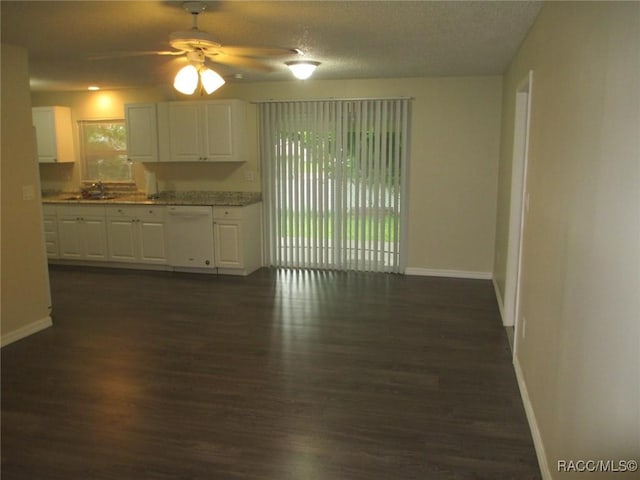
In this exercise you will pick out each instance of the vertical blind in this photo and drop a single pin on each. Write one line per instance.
(334, 175)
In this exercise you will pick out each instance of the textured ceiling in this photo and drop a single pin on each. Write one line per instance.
(352, 39)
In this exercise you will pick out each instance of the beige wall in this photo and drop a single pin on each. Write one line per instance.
(454, 157)
(24, 276)
(579, 355)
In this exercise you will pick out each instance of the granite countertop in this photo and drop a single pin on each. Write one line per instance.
(197, 197)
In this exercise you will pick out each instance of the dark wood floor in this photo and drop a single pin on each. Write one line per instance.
(279, 375)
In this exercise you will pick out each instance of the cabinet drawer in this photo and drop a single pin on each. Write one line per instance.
(49, 209)
(146, 212)
(80, 210)
(227, 213)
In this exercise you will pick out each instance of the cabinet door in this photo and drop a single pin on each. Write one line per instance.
(54, 134)
(142, 132)
(51, 235)
(95, 234)
(219, 135)
(70, 237)
(152, 241)
(44, 123)
(228, 246)
(185, 128)
(122, 244)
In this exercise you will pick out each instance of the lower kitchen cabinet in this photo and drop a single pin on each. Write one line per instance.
(50, 223)
(227, 244)
(237, 239)
(137, 234)
(82, 232)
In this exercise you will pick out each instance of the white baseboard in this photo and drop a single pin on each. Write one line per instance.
(533, 424)
(25, 331)
(499, 300)
(431, 272)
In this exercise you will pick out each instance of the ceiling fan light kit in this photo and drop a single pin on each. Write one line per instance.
(302, 69)
(211, 80)
(196, 73)
(200, 46)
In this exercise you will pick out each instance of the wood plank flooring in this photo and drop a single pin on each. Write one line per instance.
(279, 375)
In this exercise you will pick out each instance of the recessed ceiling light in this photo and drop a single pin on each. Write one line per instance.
(93, 88)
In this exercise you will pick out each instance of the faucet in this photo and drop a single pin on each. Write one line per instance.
(100, 186)
(96, 189)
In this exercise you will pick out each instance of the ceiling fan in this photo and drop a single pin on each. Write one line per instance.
(199, 46)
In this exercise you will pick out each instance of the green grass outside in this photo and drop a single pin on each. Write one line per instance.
(309, 224)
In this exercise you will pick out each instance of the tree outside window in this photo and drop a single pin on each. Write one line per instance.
(103, 144)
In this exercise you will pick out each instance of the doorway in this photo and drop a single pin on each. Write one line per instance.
(518, 206)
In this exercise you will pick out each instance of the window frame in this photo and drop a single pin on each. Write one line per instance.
(84, 160)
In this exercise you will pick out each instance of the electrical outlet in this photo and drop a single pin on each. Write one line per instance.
(249, 176)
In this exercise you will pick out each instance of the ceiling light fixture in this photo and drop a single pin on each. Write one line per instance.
(188, 78)
(93, 88)
(302, 69)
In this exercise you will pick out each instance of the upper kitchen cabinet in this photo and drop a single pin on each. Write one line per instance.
(207, 131)
(54, 135)
(142, 132)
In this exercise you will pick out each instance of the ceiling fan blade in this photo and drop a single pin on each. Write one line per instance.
(257, 51)
(107, 56)
(242, 62)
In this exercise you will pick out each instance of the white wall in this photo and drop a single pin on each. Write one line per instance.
(579, 356)
(452, 175)
(24, 276)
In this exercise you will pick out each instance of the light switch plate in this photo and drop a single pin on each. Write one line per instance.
(28, 193)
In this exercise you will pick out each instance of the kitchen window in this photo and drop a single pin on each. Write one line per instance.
(103, 148)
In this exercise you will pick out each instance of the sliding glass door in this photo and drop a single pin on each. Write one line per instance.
(333, 183)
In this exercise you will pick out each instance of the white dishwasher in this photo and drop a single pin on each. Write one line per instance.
(190, 232)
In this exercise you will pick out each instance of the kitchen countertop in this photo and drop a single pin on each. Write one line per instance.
(197, 197)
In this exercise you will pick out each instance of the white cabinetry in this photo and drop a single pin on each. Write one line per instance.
(142, 132)
(50, 220)
(137, 234)
(237, 239)
(82, 232)
(186, 237)
(54, 135)
(209, 131)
